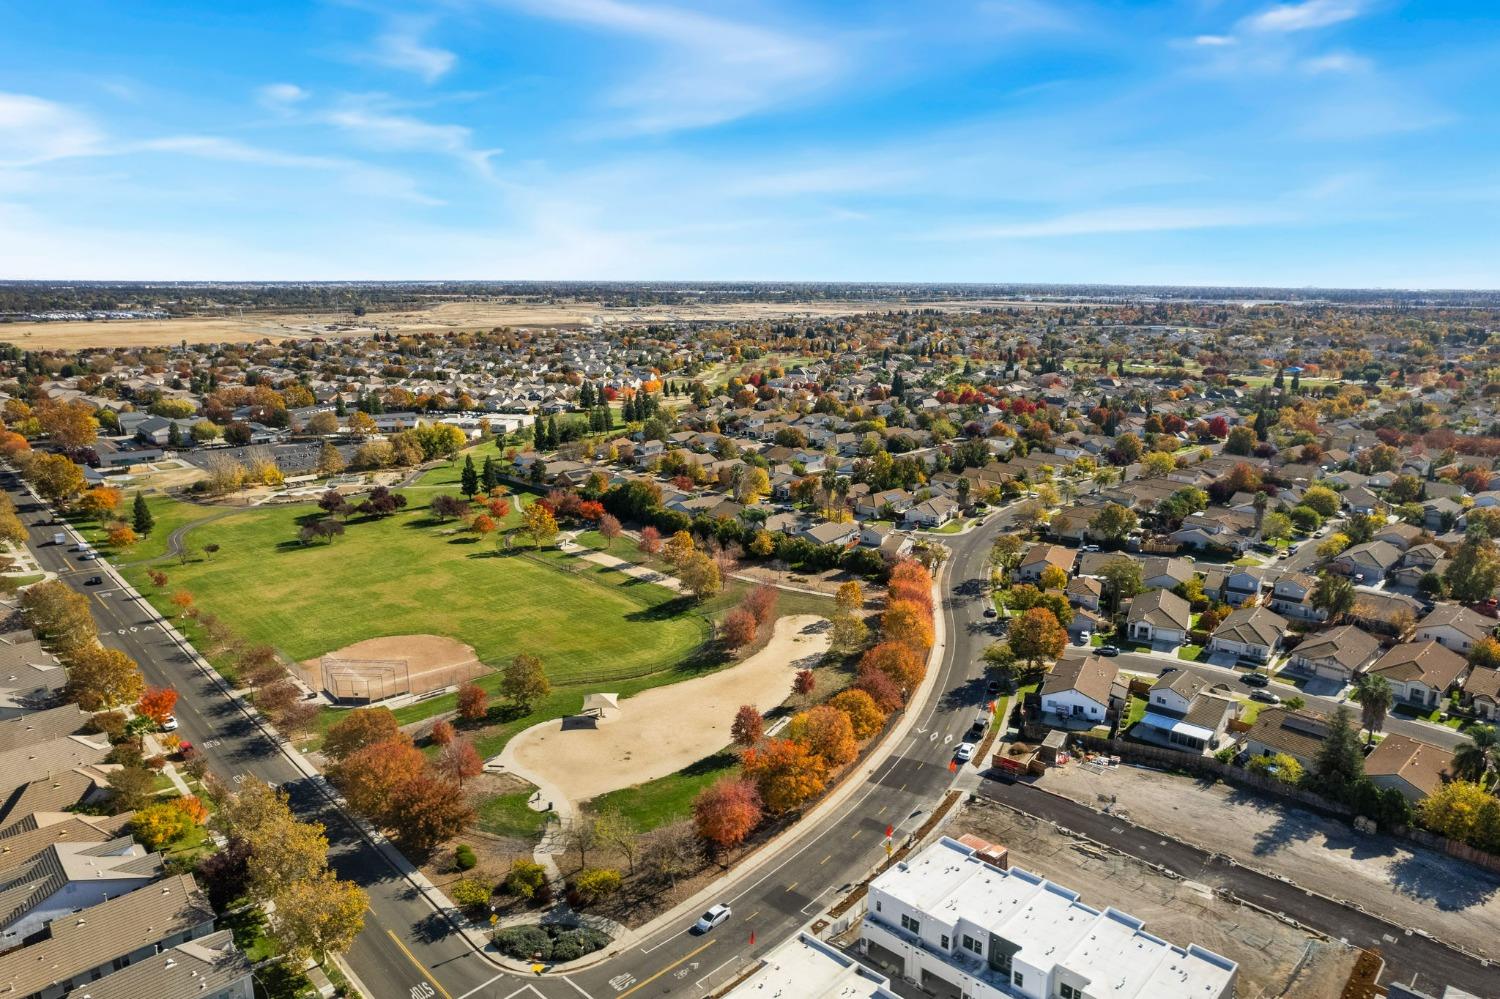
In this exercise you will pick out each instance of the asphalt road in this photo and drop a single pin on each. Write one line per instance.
(1410, 958)
(408, 951)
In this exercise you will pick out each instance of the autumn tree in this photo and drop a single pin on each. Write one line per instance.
(59, 615)
(525, 681)
(865, 716)
(459, 761)
(850, 597)
(1473, 573)
(160, 825)
(700, 574)
(538, 524)
(317, 917)
(610, 530)
(100, 678)
(157, 704)
(55, 477)
(473, 703)
(121, 536)
(908, 623)
(359, 728)
(650, 542)
(804, 682)
(826, 731)
(726, 813)
(1036, 635)
(787, 773)
(761, 602)
(748, 727)
(427, 812)
(182, 600)
(898, 661)
(442, 734)
(679, 548)
(738, 628)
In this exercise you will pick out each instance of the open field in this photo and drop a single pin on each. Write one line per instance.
(408, 575)
(1270, 953)
(1413, 887)
(666, 729)
(447, 316)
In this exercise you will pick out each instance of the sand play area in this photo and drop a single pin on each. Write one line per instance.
(664, 729)
(377, 668)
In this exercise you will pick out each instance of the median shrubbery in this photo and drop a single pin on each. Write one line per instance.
(550, 942)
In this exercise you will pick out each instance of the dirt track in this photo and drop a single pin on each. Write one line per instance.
(665, 729)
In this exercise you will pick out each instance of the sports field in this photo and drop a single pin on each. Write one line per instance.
(408, 575)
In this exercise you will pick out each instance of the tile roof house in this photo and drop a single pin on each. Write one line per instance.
(1482, 692)
(1420, 673)
(1413, 767)
(1454, 626)
(1366, 563)
(64, 877)
(1039, 557)
(1158, 616)
(1249, 633)
(1336, 654)
(1185, 712)
(1080, 690)
(210, 967)
(1298, 734)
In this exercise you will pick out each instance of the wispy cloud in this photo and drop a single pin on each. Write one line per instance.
(1337, 62)
(1128, 219)
(35, 130)
(1214, 41)
(383, 129)
(1305, 16)
(280, 95)
(402, 47)
(712, 69)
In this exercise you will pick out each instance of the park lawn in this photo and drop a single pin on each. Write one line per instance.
(508, 815)
(170, 514)
(449, 476)
(670, 798)
(407, 574)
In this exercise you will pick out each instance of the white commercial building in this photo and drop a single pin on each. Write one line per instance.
(806, 968)
(960, 927)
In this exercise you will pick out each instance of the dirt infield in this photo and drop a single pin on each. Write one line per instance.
(400, 664)
(665, 729)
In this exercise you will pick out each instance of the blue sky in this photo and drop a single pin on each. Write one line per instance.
(1320, 142)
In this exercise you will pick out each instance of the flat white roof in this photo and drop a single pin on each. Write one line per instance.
(1167, 723)
(806, 967)
(1051, 926)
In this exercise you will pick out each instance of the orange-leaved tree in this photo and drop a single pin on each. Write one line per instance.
(727, 812)
(787, 773)
(826, 731)
(157, 704)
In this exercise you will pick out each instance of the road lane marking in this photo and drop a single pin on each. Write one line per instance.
(635, 988)
(825, 860)
(486, 985)
(855, 833)
(412, 958)
(791, 886)
(578, 987)
(699, 983)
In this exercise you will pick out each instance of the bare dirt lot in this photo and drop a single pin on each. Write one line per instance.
(1268, 951)
(1410, 886)
(398, 664)
(437, 318)
(665, 729)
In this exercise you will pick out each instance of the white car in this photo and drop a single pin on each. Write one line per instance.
(713, 917)
(964, 753)
(170, 725)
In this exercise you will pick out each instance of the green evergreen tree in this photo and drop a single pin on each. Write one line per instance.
(141, 518)
(490, 475)
(469, 478)
(339, 409)
(1339, 765)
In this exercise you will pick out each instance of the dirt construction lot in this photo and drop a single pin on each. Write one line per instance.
(1407, 885)
(665, 729)
(1267, 950)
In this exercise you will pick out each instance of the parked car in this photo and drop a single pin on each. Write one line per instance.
(990, 612)
(1264, 696)
(964, 753)
(992, 688)
(1084, 637)
(1255, 679)
(1089, 548)
(170, 725)
(1107, 651)
(93, 581)
(713, 917)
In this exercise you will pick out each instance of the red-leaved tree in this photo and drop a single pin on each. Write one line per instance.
(157, 704)
(727, 812)
(473, 703)
(748, 725)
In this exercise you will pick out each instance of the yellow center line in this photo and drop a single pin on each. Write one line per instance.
(855, 833)
(663, 971)
(753, 915)
(410, 957)
(791, 886)
(825, 860)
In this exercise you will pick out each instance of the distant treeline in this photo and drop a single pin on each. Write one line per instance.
(198, 298)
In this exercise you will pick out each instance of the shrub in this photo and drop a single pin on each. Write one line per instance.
(470, 893)
(524, 942)
(110, 723)
(549, 943)
(572, 944)
(527, 879)
(464, 857)
(592, 884)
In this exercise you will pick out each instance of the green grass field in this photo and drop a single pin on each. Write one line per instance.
(509, 815)
(170, 514)
(667, 799)
(408, 574)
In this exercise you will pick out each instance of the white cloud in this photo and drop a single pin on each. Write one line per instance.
(1336, 62)
(402, 47)
(712, 69)
(1214, 41)
(380, 129)
(1130, 219)
(1305, 16)
(281, 95)
(34, 130)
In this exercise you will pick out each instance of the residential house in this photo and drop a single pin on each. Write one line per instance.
(1158, 616)
(1291, 597)
(1420, 673)
(1080, 691)
(1454, 626)
(1384, 613)
(1482, 693)
(1085, 592)
(1415, 768)
(1039, 557)
(844, 534)
(1297, 733)
(1184, 712)
(1366, 563)
(1249, 633)
(1338, 654)
(1164, 572)
(931, 513)
(65, 877)
(210, 967)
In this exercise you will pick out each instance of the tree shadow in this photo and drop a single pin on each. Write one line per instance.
(675, 607)
(464, 540)
(1433, 880)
